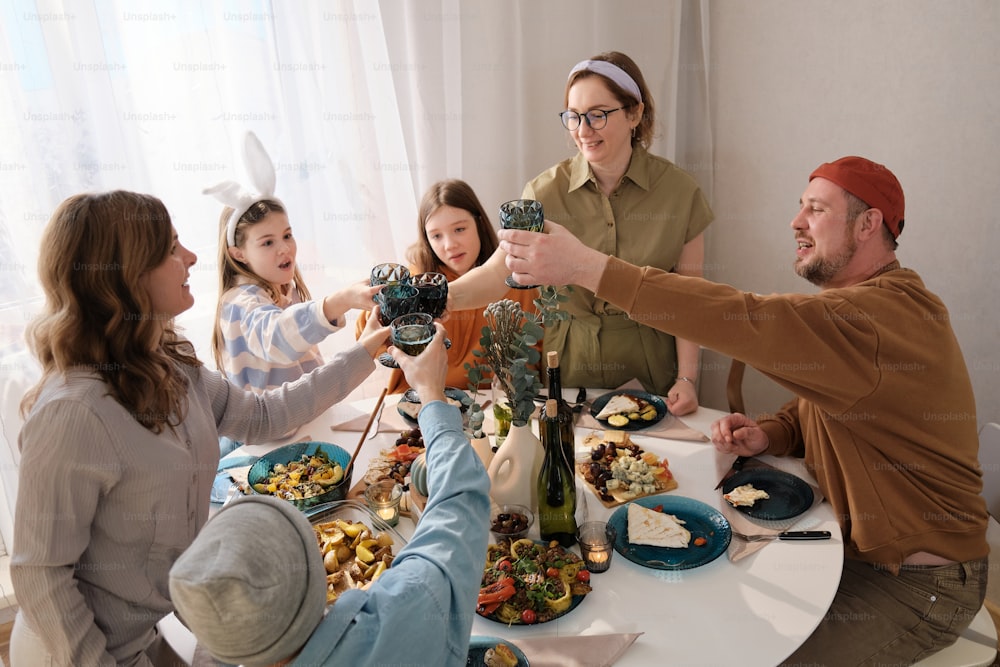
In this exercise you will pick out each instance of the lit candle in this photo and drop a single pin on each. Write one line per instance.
(387, 513)
(597, 557)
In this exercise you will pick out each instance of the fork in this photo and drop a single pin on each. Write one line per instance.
(787, 535)
(373, 431)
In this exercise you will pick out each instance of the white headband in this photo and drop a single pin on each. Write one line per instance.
(262, 179)
(613, 72)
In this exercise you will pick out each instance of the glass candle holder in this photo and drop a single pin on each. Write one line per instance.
(597, 540)
(383, 499)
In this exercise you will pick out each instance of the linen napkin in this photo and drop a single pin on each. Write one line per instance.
(232, 468)
(353, 419)
(741, 523)
(670, 427)
(581, 651)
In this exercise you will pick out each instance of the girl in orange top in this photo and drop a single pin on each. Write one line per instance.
(454, 235)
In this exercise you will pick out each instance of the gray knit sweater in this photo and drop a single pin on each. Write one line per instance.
(105, 506)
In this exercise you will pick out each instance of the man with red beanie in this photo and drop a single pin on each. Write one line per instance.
(884, 413)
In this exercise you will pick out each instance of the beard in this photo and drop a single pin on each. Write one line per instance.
(820, 271)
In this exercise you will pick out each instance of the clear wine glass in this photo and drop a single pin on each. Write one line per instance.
(524, 214)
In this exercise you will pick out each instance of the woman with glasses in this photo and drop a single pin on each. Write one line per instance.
(617, 198)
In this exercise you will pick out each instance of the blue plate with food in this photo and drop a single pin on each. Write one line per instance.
(629, 409)
(494, 652)
(526, 582)
(768, 494)
(304, 473)
(409, 405)
(668, 532)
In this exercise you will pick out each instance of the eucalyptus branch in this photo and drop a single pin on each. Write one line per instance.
(507, 349)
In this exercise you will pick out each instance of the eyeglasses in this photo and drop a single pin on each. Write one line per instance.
(596, 118)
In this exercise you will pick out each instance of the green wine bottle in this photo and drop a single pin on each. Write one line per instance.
(564, 412)
(556, 484)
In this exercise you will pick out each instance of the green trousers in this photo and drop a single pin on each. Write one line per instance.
(879, 618)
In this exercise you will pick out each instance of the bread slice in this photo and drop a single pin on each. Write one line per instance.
(620, 404)
(649, 527)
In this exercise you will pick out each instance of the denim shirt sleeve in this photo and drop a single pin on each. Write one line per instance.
(421, 610)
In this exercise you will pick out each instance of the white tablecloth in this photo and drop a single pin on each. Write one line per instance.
(753, 612)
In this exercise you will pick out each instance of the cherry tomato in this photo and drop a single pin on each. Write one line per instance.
(583, 575)
(528, 616)
(552, 573)
(503, 565)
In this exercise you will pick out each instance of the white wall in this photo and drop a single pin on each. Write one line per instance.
(913, 84)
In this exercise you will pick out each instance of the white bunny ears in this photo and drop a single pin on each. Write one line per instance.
(262, 179)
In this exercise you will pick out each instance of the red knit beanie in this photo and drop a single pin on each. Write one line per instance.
(870, 182)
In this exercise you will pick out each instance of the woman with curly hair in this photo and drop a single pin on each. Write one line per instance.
(120, 442)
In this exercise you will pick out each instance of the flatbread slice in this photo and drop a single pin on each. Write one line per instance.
(656, 529)
(620, 404)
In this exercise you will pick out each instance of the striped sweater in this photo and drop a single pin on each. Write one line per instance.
(266, 344)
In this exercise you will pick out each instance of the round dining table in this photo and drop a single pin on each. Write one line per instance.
(753, 611)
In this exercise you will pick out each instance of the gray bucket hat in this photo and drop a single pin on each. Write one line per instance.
(252, 586)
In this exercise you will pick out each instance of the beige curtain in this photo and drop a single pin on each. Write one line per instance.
(361, 104)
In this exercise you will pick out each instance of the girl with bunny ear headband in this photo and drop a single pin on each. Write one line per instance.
(268, 327)
(240, 199)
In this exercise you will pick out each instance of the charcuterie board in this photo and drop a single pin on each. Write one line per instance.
(617, 470)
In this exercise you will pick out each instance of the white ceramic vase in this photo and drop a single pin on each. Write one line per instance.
(514, 469)
(484, 448)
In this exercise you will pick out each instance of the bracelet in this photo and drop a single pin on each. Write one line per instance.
(685, 379)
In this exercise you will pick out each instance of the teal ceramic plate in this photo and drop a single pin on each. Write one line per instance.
(479, 645)
(410, 396)
(699, 518)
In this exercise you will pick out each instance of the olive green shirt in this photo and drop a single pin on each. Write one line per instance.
(646, 221)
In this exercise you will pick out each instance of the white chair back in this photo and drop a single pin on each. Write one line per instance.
(976, 646)
(989, 459)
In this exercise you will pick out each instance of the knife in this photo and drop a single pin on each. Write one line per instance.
(787, 535)
(735, 468)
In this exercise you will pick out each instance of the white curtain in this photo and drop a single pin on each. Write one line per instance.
(361, 105)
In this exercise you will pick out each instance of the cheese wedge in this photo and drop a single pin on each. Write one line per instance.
(646, 526)
(620, 404)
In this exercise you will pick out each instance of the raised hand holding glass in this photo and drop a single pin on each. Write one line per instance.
(412, 334)
(523, 214)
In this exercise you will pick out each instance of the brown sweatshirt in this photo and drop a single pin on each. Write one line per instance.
(885, 416)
